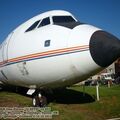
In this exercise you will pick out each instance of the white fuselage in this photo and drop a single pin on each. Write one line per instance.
(49, 56)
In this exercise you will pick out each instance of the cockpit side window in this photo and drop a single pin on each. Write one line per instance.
(33, 26)
(45, 21)
(62, 19)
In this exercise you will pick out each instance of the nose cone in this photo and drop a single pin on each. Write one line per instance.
(104, 48)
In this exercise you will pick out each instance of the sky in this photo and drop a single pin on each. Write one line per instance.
(104, 14)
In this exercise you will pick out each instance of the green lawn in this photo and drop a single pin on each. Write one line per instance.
(72, 104)
(107, 107)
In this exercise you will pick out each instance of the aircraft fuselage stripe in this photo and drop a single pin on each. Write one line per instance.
(45, 55)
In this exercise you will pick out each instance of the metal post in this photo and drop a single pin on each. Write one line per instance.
(97, 92)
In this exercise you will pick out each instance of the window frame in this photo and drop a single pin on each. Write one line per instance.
(63, 21)
(31, 28)
(39, 26)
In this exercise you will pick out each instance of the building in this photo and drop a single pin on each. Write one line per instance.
(113, 70)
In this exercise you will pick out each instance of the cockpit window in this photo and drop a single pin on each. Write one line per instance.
(33, 26)
(45, 21)
(65, 21)
(62, 19)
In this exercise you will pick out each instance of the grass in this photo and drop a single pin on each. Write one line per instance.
(9, 99)
(72, 104)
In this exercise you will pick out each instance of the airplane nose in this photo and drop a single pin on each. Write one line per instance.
(104, 48)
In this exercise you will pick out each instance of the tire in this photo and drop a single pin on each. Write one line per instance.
(35, 101)
(39, 102)
(43, 101)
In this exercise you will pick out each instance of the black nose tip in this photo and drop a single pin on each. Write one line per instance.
(104, 48)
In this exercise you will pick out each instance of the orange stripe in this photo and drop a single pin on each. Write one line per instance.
(46, 53)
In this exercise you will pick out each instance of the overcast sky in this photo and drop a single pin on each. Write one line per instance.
(104, 14)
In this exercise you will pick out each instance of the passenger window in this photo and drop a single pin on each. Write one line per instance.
(44, 22)
(47, 43)
(33, 26)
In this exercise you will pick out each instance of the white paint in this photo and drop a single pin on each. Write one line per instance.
(97, 92)
(56, 71)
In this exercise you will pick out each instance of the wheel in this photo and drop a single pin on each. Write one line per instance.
(43, 101)
(39, 101)
(35, 101)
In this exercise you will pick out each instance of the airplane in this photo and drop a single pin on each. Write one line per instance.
(54, 50)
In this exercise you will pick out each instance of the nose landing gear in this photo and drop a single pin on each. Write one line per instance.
(39, 100)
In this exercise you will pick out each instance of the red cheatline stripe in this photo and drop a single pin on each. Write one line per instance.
(46, 53)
